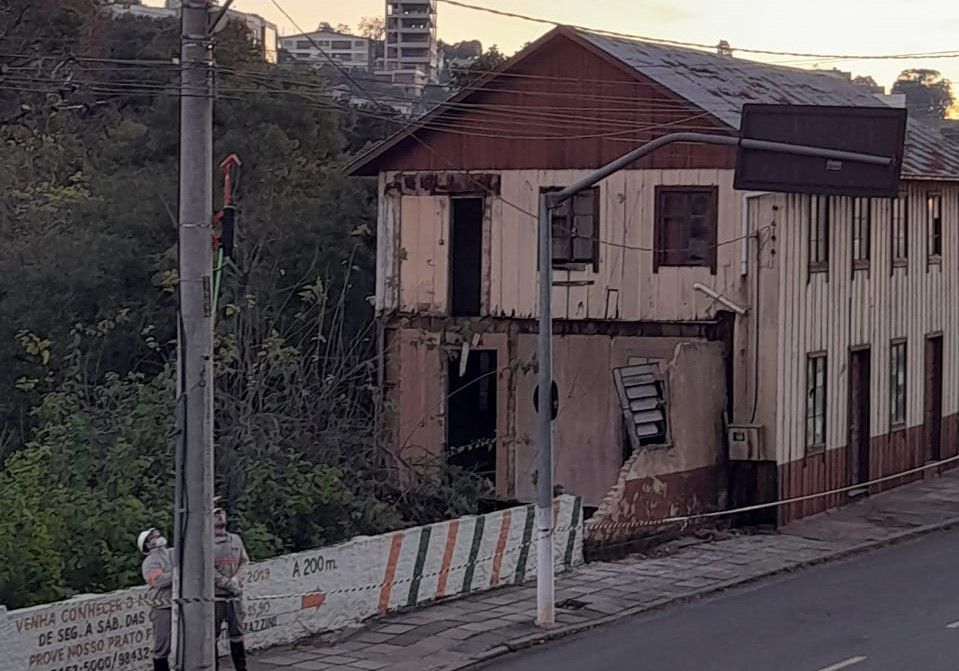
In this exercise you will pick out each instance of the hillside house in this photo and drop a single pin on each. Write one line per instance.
(825, 328)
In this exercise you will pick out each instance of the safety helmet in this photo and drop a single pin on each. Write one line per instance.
(142, 540)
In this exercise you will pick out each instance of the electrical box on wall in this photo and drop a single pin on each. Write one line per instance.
(746, 443)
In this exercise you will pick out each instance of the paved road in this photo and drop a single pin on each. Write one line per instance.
(896, 609)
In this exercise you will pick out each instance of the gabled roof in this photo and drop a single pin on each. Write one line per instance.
(720, 85)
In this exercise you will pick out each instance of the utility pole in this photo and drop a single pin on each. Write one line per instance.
(545, 578)
(194, 507)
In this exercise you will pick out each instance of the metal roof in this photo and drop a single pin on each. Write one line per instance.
(720, 85)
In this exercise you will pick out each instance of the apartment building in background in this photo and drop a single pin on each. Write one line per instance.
(712, 348)
(411, 41)
(350, 51)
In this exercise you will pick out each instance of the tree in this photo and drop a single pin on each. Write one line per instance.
(372, 28)
(928, 95)
(492, 59)
(464, 49)
(327, 28)
(867, 82)
(88, 277)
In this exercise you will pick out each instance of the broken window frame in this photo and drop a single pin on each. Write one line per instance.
(570, 250)
(656, 380)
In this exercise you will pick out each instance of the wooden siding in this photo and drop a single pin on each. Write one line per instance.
(624, 285)
(835, 311)
(566, 105)
(424, 225)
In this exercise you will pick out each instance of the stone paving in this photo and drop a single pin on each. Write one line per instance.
(456, 634)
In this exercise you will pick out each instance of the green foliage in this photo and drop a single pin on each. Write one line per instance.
(88, 279)
(928, 95)
(489, 61)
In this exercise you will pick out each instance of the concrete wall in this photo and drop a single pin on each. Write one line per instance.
(588, 437)
(298, 595)
(688, 476)
(587, 434)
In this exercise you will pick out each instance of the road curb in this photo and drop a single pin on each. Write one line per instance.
(532, 640)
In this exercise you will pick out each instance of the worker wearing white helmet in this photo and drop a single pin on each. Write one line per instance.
(230, 561)
(157, 570)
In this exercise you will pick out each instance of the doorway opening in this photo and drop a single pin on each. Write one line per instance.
(932, 401)
(858, 439)
(471, 413)
(466, 256)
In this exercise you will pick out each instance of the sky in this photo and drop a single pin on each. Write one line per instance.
(809, 26)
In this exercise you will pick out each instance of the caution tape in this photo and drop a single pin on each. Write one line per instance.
(682, 520)
(374, 586)
(765, 506)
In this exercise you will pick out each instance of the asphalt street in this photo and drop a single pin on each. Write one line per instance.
(895, 609)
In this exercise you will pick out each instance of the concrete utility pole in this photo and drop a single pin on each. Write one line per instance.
(545, 578)
(194, 533)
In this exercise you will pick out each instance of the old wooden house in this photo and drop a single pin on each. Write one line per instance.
(713, 348)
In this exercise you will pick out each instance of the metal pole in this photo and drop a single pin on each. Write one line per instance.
(194, 544)
(545, 583)
(704, 138)
(544, 438)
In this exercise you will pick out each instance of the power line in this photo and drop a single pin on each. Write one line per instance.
(699, 45)
(333, 61)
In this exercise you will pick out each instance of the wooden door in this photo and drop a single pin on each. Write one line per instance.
(932, 399)
(858, 439)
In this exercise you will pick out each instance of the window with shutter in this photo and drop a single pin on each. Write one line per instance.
(686, 223)
(642, 396)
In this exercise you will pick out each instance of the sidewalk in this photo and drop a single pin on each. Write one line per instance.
(457, 634)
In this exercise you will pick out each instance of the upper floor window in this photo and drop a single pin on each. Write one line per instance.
(861, 228)
(934, 225)
(819, 214)
(576, 230)
(899, 230)
(686, 226)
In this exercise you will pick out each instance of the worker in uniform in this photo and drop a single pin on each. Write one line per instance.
(157, 570)
(230, 561)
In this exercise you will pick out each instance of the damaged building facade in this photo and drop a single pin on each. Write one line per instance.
(712, 348)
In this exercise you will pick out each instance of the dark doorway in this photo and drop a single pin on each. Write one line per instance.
(858, 418)
(932, 400)
(466, 256)
(471, 413)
